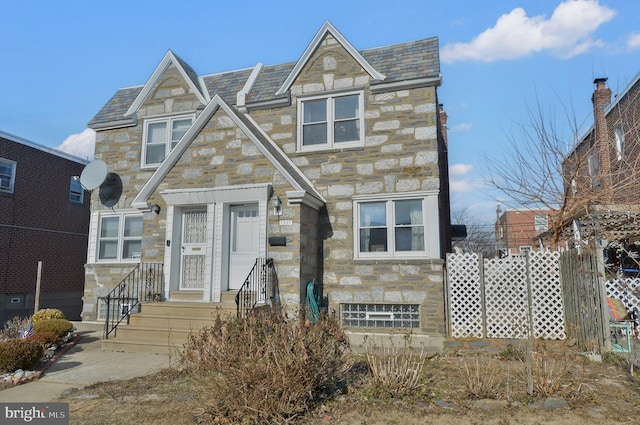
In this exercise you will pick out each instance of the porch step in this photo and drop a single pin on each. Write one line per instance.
(164, 327)
(185, 295)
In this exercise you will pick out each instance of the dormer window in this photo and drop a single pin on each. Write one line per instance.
(330, 122)
(161, 136)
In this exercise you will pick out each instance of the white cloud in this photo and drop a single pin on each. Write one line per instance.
(634, 41)
(463, 126)
(464, 185)
(566, 34)
(460, 169)
(81, 145)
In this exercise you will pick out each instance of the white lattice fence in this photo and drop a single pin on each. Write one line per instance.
(626, 289)
(546, 295)
(464, 295)
(497, 306)
(506, 297)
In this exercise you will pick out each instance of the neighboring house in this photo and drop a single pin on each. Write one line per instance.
(334, 166)
(602, 173)
(516, 231)
(44, 217)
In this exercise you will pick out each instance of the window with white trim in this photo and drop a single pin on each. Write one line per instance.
(161, 135)
(330, 122)
(7, 175)
(390, 228)
(120, 237)
(541, 223)
(76, 191)
(619, 141)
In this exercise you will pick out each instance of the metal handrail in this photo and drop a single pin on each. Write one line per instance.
(143, 283)
(260, 286)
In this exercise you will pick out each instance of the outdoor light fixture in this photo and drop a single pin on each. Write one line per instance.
(277, 205)
(155, 208)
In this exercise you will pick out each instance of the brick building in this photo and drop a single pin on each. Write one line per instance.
(333, 165)
(516, 231)
(602, 173)
(44, 216)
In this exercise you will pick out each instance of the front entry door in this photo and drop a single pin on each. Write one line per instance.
(193, 255)
(245, 244)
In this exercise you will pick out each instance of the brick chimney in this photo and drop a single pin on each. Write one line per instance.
(443, 122)
(601, 98)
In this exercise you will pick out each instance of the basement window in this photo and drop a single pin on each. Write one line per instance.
(119, 308)
(380, 315)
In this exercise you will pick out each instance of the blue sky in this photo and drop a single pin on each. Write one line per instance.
(61, 61)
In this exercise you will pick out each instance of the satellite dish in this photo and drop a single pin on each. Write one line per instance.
(110, 190)
(93, 174)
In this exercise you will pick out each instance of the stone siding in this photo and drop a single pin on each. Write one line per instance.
(400, 155)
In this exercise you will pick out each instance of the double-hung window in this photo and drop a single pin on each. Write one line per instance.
(161, 136)
(391, 228)
(328, 122)
(120, 237)
(541, 223)
(76, 192)
(7, 175)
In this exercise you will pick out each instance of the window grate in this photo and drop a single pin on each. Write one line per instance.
(380, 315)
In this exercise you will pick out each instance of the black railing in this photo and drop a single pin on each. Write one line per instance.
(142, 284)
(260, 287)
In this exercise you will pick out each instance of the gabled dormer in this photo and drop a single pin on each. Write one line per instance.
(167, 106)
(327, 30)
(162, 73)
(328, 85)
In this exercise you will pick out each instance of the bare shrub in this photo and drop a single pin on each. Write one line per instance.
(13, 327)
(482, 377)
(396, 369)
(265, 369)
(550, 374)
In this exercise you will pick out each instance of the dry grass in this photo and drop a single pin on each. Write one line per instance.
(593, 390)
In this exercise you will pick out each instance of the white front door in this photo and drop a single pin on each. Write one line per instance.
(193, 249)
(244, 243)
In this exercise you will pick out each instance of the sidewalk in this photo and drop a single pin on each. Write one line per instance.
(82, 365)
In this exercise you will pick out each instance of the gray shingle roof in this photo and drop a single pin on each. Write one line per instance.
(113, 111)
(399, 62)
(227, 85)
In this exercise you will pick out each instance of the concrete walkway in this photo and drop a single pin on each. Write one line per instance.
(82, 365)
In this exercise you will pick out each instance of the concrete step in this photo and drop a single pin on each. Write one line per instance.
(170, 323)
(202, 310)
(185, 295)
(228, 297)
(163, 326)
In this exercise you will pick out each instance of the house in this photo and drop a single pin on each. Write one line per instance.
(333, 166)
(601, 173)
(603, 169)
(516, 231)
(44, 217)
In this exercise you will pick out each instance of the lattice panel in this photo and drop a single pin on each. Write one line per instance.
(626, 289)
(546, 295)
(506, 297)
(465, 297)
